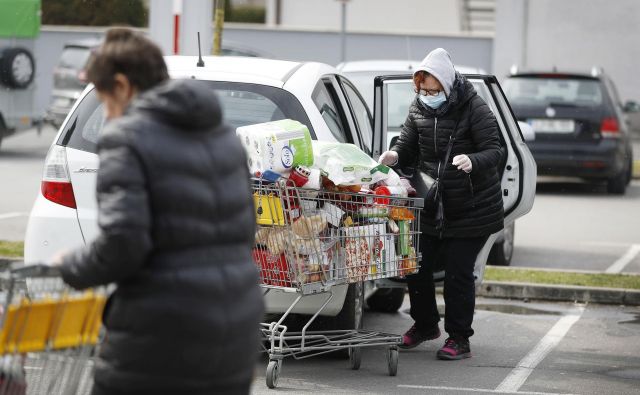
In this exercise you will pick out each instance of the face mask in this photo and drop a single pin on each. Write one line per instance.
(434, 101)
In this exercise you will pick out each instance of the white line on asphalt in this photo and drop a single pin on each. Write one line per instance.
(458, 389)
(624, 260)
(12, 215)
(525, 367)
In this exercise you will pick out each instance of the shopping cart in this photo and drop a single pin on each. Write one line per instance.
(48, 333)
(309, 241)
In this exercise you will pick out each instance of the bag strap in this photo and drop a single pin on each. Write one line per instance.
(452, 139)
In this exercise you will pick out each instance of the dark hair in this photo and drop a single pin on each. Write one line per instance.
(131, 54)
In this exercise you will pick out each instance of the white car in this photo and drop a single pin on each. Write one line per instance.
(251, 90)
(363, 72)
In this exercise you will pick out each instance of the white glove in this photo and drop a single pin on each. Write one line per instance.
(463, 162)
(389, 158)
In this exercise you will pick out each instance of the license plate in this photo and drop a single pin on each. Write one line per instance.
(553, 125)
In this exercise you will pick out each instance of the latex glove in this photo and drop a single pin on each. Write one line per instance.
(463, 162)
(389, 158)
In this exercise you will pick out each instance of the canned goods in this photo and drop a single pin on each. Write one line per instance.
(300, 175)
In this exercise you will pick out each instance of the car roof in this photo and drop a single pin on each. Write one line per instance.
(87, 42)
(233, 68)
(394, 65)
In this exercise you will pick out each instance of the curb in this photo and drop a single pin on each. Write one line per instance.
(557, 293)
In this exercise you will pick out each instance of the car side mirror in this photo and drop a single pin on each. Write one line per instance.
(527, 131)
(631, 106)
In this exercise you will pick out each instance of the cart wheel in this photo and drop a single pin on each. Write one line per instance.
(392, 361)
(273, 371)
(355, 357)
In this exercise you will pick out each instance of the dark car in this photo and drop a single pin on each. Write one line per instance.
(68, 79)
(580, 127)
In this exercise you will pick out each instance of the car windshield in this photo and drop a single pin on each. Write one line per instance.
(536, 91)
(74, 58)
(242, 104)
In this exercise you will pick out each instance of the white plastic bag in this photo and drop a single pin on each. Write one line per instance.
(346, 164)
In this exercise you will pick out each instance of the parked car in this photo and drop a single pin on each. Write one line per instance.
(580, 127)
(69, 78)
(253, 90)
(362, 74)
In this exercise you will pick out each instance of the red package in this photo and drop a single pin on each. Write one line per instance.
(274, 269)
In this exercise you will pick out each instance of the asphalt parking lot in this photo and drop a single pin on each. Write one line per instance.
(518, 348)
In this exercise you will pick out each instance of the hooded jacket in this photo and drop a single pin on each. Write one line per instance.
(177, 225)
(472, 202)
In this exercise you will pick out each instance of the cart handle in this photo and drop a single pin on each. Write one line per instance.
(39, 270)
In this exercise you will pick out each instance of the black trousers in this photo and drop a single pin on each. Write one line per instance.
(457, 256)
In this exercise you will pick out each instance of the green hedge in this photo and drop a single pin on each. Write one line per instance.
(245, 14)
(94, 12)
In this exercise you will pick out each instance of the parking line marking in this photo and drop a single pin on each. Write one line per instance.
(12, 215)
(624, 260)
(458, 389)
(525, 367)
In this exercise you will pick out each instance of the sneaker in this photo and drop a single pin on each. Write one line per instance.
(413, 337)
(455, 349)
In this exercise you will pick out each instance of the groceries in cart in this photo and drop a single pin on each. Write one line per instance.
(326, 212)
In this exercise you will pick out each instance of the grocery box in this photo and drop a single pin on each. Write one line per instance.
(274, 269)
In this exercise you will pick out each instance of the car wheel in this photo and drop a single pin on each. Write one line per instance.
(386, 300)
(501, 253)
(350, 317)
(618, 184)
(17, 68)
(630, 172)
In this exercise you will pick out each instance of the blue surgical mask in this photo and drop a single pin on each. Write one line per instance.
(434, 101)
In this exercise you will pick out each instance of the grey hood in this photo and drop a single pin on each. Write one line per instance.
(438, 63)
(186, 104)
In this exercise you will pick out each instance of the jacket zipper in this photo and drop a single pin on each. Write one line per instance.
(435, 136)
(473, 197)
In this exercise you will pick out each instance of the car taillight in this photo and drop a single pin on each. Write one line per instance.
(56, 182)
(609, 128)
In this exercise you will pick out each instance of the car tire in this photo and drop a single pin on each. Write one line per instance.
(618, 184)
(351, 315)
(501, 253)
(8, 76)
(386, 300)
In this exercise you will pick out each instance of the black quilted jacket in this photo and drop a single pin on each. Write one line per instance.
(176, 231)
(472, 202)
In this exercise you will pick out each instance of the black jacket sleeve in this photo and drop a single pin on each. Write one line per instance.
(123, 217)
(484, 133)
(407, 144)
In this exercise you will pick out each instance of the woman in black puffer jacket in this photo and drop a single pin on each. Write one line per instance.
(447, 106)
(176, 230)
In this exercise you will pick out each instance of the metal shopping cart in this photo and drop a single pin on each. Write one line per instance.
(309, 241)
(48, 333)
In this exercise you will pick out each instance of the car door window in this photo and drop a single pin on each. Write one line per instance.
(326, 100)
(360, 113)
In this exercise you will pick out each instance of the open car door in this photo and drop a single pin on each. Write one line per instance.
(392, 98)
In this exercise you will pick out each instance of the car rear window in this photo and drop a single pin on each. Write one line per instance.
(74, 58)
(536, 91)
(242, 104)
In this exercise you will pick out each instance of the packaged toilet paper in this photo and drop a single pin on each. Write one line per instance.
(278, 146)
